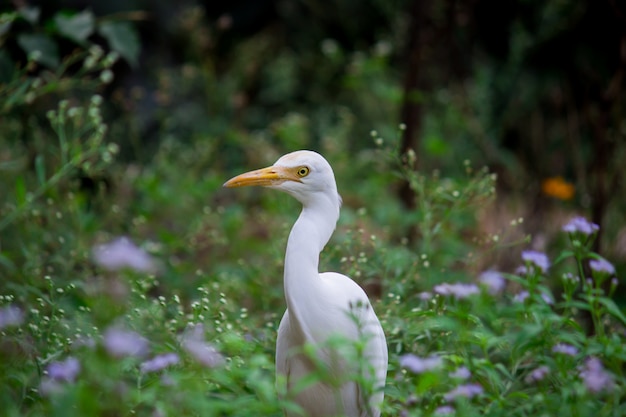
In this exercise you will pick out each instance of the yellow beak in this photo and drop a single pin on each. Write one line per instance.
(265, 176)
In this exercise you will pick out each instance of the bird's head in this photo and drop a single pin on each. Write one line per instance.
(305, 175)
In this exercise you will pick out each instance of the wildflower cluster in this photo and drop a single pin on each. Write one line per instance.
(513, 323)
(124, 348)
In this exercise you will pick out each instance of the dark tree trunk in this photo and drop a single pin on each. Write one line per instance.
(605, 177)
(411, 111)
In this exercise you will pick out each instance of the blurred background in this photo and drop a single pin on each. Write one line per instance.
(534, 90)
(461, 133)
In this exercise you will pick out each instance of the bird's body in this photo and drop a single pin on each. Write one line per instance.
(321, 306)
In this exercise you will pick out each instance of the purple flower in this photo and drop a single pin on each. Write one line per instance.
(539, 259)
(58, 373)
(419, 365)
(461, 373)
(122, 253)
(11, 316)
(538, 374)
(425, 296)
(159, 362)
(65, 371)
(595, 378)
(466, 390)
(193, 342)
(547, 298)
(602, 265)
(457, 290)
(565, 349)
(167, 380)
(444, 409)
(523, 295)
(521, 270)
(580, 225)
(49, 386)
(119, 342)
(493, 280)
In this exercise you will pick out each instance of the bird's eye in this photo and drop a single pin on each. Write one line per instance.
(303, 172)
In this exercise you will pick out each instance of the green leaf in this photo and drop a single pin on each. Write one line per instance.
(7, 67)
(123, 39)
(77, 27)
(612, 308)
(426, 382)
(563, 255)
(41, 47)
(6, 20)
(30, 14)
(7, 263)
(20, 190)
(577, 304)
(40, 169)
(504, 371)
(436, 146)
(17, 96)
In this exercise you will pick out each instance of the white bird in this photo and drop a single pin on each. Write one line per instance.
(321, 305)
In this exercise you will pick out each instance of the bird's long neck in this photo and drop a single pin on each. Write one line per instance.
(302, 283)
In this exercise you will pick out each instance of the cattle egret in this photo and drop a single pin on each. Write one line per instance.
(321, 305)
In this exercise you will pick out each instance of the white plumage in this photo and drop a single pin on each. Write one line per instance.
(321, 306)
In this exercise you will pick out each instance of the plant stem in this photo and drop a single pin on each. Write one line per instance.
(58, 176)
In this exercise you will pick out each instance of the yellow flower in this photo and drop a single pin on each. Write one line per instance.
(557, 187)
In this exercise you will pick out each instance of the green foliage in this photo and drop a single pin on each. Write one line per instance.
(212, 269)
(40, 40)
(549, 341)
(530, 353)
